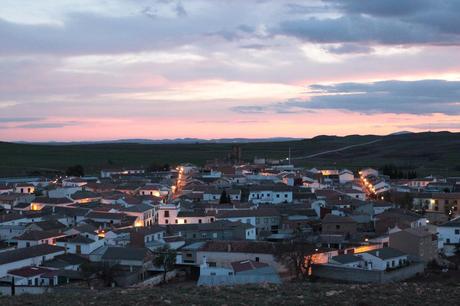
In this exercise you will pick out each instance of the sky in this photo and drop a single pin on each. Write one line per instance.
(116, 69)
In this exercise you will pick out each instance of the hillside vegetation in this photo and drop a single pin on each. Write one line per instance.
(428, 153)
(287, 294)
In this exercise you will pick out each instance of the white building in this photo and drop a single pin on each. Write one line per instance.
(167, 213)
(270, 194)
(368, 171)
(36, 255)
(346, 176)
(24, 188)
(449, 234)
(385, 258)
(79, 244)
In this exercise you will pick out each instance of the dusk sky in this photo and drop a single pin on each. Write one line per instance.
(99, 70)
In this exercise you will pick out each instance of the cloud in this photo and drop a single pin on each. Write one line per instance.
(400, 97)
(348, 48)
(47, 125)
(20, 119)
(86, 33)
(434, 126)
(384, 8)
(165, 8)
(390, 22)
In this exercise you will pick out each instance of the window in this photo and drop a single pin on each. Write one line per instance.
(257, 259)
(337, 226)
(277, 195)
(177, 221)
(166, 221)
(199, 220)
(212, 219)
(392, 263)
(285, 195)
(185, 221)
(248, 221)
(457, 232)
(166, 214)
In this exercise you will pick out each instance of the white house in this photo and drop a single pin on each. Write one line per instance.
(74, 182)
(270, 194)
(63, 192)
(24, 188)
(34, 237)
(368, 171)
(214, 194)
(355, 194)
(144, 213)
(78, 244)
(33, 276)
(449, 234)
(108, 173)
(385, 258)
(346, 176)
(193, 217)
(347, 260)
(167, 213)
(35, 255)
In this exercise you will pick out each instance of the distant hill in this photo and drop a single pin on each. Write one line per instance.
(427, 153)
(168, 141)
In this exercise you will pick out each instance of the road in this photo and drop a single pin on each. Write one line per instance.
(336, 150)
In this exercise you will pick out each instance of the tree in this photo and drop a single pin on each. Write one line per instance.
(108, 273)
(76, 170)
(89, 272)
(154, 167)
(296, 254)
(165, 258)
(224, 198)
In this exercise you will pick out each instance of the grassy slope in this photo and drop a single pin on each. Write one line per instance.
(428, 152)
(287, 294)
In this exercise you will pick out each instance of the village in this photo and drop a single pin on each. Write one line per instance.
(229, 222)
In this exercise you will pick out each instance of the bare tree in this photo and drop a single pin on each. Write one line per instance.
(165, 258)
(296, 254)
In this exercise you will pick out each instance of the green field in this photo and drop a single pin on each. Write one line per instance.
(428, 153)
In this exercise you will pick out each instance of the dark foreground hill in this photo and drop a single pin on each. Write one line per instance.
(428, 153)
(288, 294)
